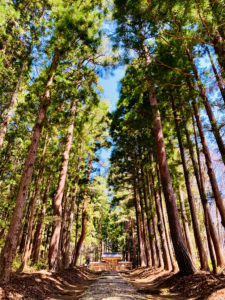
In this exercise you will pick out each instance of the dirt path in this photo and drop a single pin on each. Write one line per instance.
(138, 284)
(111, 286)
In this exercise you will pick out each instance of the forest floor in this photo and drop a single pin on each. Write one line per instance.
(151, 283)
(163, 285)
(66, 285)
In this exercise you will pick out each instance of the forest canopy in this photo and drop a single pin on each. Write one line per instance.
(161, 203)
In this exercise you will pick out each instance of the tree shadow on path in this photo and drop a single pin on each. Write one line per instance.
(161, 285)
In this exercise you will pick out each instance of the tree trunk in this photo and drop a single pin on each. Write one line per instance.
(210, 229)
(7, 119)
(210, 245)
(218, 78)
(147, 251)
(212, 177)
(84, 217)
(128, 230)
(23, 230)
(9, 250)
(219, 48)
(157, 242)
(62, 240)
(219, 251)
(141, 246)
(152, 236)
(53, 257)
(40, 227)
(134, 260)
(181, 252)
(165, 221)
(71, 216)
(149, 218)
(161, 228)
(185, 225)
(201, 187)
(205, 100)
(47, 239)
(25, 256)
(197, 234)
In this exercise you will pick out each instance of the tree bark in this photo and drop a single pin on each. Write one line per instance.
(25, 256)
(9, 250)
(71, 216)
(153, 230)
(76, 233)
(157, 242)
(219, 251)
(212, 177)
(185, 263)
(210, 245)
(161, 228)
(24, 226)
(7, 119)
(143, 211)
(218, 78)
(210, 227)
(197, 234)
(185, 225)
(128, 230)
(152, 237)
(219, 48)
(53, 257)
(165, 221)
(62, 239)
(134, 259)
(205, 100)
(84, 217)
(40, 226)
(147, 250)
(141, 247)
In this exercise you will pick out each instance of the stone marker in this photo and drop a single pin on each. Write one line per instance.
(111, 286)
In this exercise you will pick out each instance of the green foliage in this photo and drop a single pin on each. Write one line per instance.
(153, 38)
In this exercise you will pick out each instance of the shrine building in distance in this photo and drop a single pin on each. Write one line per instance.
(111, 262)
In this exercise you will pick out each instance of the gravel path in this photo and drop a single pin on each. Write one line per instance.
(111, 286)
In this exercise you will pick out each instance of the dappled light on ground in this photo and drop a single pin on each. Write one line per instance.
(158, 284)
(68, 284)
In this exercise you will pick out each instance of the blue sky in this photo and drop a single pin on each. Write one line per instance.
(110, 84)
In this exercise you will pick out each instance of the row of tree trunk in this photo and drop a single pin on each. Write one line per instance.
(154, 241)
